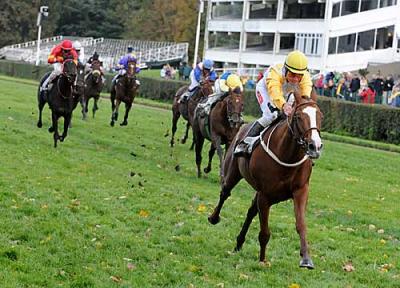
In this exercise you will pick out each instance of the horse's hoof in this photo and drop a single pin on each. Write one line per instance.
(39, 125)
(51, 129)
(61, 138)
(123, 123)
(207, 170)
(183, 141)
(112, 123)
(237, 249)
(213, 219)
(306, 263)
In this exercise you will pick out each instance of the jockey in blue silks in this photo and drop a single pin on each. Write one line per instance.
(203, 70)
(122, 66)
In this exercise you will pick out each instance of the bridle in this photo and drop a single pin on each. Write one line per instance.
(234, 118)
(71, 81)
(300, 138)
(294, 127)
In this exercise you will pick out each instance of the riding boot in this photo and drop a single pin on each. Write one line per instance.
(244, 148)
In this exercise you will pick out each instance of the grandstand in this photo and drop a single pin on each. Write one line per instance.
(149, 53)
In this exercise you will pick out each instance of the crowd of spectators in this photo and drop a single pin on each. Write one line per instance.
(357, 88)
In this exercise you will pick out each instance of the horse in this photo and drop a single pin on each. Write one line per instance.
(220, 127)
(278, 169)
(186, 108)
(93, 86)
(60, 99)
(123, 90)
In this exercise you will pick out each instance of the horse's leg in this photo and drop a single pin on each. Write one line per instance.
(40, 106)
(300, 197)
(265, 233)
(83, 105)
(175, 118)
(67, 122)
(95, 108)
(220, 153)
(231, 178)
(54, 126)
(128, 107)
(184, 138)
(211, 153)
(251, 213)
(114, 114)
(199, 147)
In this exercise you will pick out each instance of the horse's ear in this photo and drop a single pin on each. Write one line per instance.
(314, 95)
(297, 96)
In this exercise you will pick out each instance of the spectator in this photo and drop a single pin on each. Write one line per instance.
(354, 87)
(319, 84)
(186, 71)
(180, 70)
(368, 95)
(377, 84)
(163, 71)
(341, 89)
(387, 89)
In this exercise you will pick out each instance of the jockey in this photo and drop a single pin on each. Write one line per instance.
(79, 50)
(227, 82)
(122, 67)
(202, 71)
(278, 81)
(57, 56)
(222, 84)
(94, 57)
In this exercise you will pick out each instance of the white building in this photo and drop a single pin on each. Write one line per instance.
(341, 35)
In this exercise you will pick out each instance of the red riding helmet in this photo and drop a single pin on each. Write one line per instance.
(66, 45)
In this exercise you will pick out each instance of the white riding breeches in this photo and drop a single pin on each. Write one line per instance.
(57, 71)
(265, 104)
(194, 82)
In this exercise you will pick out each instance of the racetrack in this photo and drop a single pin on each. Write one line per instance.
(108, 208)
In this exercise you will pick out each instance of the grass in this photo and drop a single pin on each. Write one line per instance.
(110, 208)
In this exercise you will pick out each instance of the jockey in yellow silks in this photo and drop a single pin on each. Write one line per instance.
(272, 90)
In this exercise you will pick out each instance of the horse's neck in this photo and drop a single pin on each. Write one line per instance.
(282, 142)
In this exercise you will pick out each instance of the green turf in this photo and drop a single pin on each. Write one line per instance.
(108, 208)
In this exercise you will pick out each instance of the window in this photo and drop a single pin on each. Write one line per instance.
(260, 10)
(296, 10)
(368, 5)
(346, 43)
(287, 41)
(386, 3)
(227, 10)
(336, 10)
(349, 7)
(384, 37)
(332, 45)
(365, 40)
(258, 42)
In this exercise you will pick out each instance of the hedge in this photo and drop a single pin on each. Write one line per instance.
(372, 122)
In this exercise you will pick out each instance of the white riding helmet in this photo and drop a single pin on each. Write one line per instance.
(77, 45)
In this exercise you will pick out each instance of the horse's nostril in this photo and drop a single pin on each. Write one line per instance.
(311, 146)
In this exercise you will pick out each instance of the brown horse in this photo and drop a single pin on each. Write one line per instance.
(220, 127)
(93, 86)
(186, 108)
(278, 169)
(60, 98)
(123, 90)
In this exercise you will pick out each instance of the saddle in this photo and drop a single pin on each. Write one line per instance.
(204, 109)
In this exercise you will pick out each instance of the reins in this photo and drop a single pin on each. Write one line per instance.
(272, 154)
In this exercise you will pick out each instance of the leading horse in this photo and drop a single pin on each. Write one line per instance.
(60, 98)
(278, 169)
(93, 86)
(220, 127)
(186, 108)
(123, 90)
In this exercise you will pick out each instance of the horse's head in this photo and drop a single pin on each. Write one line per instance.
(69, 70)
(235, 107)
(305, 125)
(206, 87)
(96, 71)
(131, 72)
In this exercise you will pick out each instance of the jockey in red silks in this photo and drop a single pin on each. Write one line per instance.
(57, 56)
